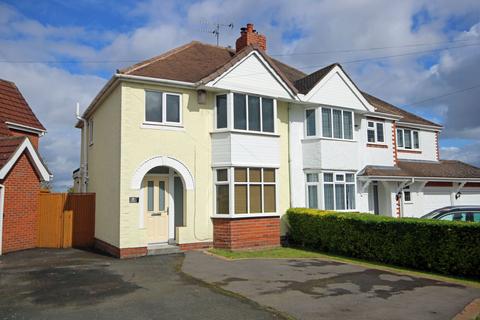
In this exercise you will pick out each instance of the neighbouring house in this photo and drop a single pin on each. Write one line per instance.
(205, 145)
(21, 170)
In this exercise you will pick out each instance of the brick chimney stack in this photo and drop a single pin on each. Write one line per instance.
(250, 36)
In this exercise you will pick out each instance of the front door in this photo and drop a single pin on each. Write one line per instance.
(156, 208)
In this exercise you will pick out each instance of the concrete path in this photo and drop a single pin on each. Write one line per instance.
(320, 289)
(73, 284)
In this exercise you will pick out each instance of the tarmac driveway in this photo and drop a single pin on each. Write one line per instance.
(321, 289)
(73, 284)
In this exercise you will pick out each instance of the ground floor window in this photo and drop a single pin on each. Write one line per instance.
(250, 190)
(338, 190)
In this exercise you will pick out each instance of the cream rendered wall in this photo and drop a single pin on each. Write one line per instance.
(190, 145)
(104, 167)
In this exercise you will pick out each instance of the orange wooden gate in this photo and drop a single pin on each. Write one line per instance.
(66, 220)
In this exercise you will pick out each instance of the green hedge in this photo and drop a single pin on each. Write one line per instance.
(438, 246)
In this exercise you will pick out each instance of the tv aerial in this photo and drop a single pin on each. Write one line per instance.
(215, 29)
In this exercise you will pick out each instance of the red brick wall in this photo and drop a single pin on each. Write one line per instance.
(195, 246)
(246, 232)
(32, 136)
(21, 205)
(116, 252)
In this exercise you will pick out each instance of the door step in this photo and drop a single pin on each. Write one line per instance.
(159, 249)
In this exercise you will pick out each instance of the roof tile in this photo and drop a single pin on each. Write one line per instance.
(14, 108)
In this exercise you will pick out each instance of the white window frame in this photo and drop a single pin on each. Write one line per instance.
(164, 110)
(318, 184)
(405, 191)
(231, 183)
(375, 130)
(402, 130)
(316, 113)
(90, 131)
(354, 183)
(231, 116)
(320, 131)
(227, 95)
(224, 183)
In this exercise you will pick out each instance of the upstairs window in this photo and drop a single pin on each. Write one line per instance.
(375, 132)
(253, 113)
(310, 121)
(408, 139)
(221, 112)
(163, 108)
(337, 124)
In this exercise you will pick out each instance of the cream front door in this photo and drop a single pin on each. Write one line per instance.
(156, 208)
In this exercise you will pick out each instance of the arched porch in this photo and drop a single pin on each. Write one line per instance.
(162, 183)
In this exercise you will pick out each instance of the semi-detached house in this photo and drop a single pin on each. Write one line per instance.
(207, 145)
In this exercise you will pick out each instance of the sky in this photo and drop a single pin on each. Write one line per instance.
(60, 52)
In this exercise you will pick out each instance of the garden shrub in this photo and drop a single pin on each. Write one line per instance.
(431, 245)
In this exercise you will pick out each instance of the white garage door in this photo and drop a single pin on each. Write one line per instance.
(470, 196)
(435, 198)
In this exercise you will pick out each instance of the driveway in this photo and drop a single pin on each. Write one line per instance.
(321, 289)
(73, 284)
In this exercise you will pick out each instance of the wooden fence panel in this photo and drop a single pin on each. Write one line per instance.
(51, 220)
(66, 220)
(67, 228)
(83, 207)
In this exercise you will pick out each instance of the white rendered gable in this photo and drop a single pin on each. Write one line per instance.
(336, 89)
(252, 74)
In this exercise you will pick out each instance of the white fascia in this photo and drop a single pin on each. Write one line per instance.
(26, 145)
(211, 84)
(22, 127)
(349, 83)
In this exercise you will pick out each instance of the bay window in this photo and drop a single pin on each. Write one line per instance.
(337, 123)
(250, 113)
(250, 190)
(375, 132)
(408, 139)
(339, 191)
(253, 113)
(162, 107)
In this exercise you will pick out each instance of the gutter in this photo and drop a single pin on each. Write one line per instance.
(22, 127)
(401, 178)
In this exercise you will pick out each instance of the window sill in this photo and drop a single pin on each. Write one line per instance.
(377, 145)
(257, 133)
(326, 138)
(162, 126)
(243, 216)
(409, 151)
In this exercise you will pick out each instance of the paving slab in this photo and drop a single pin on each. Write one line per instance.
(73, 284)
(323, 289)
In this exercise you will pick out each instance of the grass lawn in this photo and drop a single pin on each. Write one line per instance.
(300, 253)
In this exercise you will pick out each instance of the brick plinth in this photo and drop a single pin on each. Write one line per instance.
(243, 233)
(21, 205)
(122, 253)
(195, 246)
